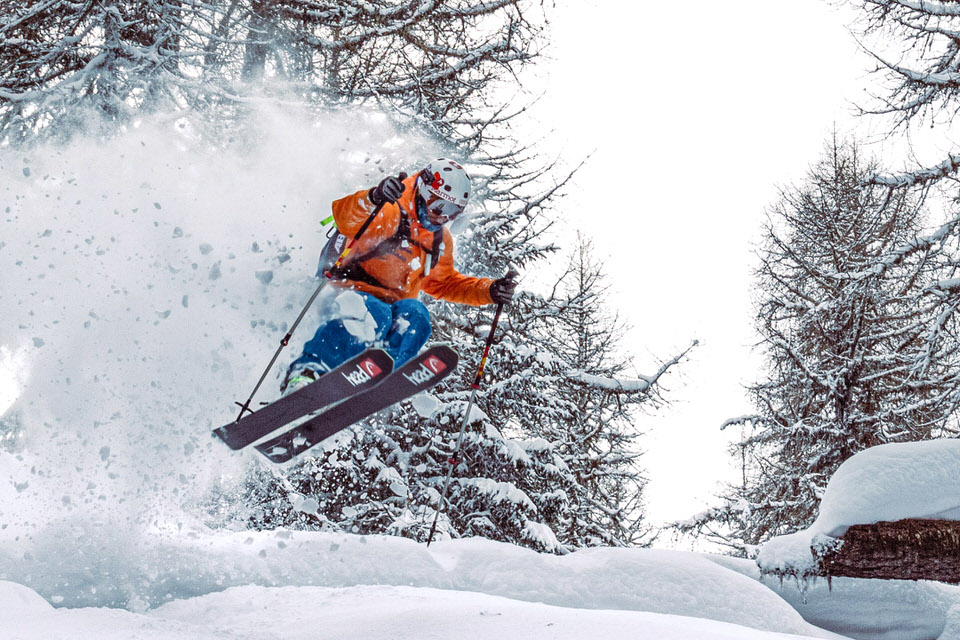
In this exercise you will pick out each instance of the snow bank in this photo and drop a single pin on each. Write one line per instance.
(405, 612)
(79, 564)
(362, 613)
(866, 609)
(26, 616)
(876, 609)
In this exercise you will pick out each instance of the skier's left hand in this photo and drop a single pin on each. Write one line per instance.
(503, 289)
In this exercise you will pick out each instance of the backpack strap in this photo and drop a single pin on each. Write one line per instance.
(434, 254)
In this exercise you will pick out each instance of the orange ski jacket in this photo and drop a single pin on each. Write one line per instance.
(401, 272)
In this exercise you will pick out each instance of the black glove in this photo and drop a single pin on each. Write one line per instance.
(502, 289)
(389, 190)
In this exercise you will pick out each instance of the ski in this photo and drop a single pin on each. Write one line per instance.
(421, 373)
(352, 377)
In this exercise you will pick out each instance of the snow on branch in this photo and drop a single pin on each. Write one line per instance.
(751, 420)
(625, 385)
(943, 79)
(951, 285)
(900, 253)
(499, 491)
(628, 385)
(929, 7)
(913, 178)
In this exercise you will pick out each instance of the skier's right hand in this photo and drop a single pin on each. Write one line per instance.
(389, 190)
(503, 289)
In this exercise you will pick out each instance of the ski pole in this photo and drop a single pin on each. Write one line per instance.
(328, 275)
(466, 418)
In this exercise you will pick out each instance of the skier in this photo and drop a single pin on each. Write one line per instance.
(407, 248)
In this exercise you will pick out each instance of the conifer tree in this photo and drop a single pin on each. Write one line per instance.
(857, 350)
(549, 459)
(68, 67)
(574, 356)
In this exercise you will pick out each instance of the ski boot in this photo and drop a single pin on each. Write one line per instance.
(298, 380)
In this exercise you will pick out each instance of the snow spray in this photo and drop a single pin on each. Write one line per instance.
(140, 278)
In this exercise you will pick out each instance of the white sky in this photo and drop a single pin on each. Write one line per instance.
(695, 113)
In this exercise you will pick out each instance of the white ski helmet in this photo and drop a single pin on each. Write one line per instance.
(445, 189)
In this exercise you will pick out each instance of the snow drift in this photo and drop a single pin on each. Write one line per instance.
(190, 575)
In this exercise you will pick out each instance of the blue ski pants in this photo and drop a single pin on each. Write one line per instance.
(354, 320)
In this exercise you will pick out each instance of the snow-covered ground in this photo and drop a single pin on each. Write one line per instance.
(360, 613)
(290, 584)
(69, 582)
(144, 284)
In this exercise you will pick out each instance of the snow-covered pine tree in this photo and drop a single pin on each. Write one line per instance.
(549, 459)
(72, 66)
(388, 476)
(857, 348)
(571, 356)
(570, 409)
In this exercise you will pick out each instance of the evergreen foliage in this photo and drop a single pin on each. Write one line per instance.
(858, 351)
(549, 459)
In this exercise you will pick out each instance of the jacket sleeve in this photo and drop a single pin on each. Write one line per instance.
(446, 283)
(351, 212)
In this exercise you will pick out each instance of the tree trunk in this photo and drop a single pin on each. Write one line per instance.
(257, 46)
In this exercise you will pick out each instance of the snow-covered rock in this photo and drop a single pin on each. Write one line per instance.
(886, 483)
(893, 482)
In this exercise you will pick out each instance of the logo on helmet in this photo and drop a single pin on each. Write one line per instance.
(437, 180)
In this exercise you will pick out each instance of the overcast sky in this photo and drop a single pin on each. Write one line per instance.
(693, 119)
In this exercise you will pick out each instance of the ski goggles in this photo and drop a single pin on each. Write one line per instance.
(442, 211)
